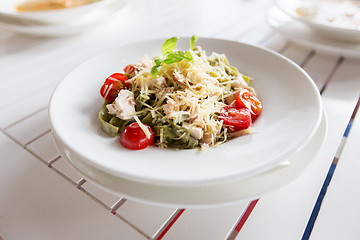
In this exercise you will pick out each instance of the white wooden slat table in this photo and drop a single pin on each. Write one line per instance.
(42, 197)
(342, 199)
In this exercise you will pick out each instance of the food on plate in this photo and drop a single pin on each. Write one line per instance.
(183, 100)
(338, 13)
(135, 137)
(44, 5)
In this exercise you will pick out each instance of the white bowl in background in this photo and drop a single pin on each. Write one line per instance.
(316, 13)
(9, 14)
(88, 21)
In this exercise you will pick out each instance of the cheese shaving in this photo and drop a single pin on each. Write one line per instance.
(143, 127)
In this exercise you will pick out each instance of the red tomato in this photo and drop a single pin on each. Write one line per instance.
(133, 137)
(112, 86)
(120, 77)
(236, 118)
(129, 69)
(247, 99)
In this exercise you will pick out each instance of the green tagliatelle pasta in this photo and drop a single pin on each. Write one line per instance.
(171, 134)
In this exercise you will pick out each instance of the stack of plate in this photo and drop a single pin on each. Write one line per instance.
(57, 22)
(314, 24)
(284, 140)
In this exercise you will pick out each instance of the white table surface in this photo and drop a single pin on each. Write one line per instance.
(42, 197)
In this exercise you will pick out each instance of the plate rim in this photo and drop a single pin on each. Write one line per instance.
(287, 173)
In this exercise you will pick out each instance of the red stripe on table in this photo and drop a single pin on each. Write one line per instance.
(173, 220)
(246, 215)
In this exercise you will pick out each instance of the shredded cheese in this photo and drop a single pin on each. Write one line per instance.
(107, 90)
(143, 127)
(190, 91)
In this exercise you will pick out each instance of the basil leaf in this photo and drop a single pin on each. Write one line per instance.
(172, 60)
(155, 70)
(170, 56)
(188, 56)
(169, 45)
(157, 61)
(174, 57)
(193, 39)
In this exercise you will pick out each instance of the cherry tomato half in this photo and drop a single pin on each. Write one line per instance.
(247, 99)
(112, 86)
(129, 69)
(236, 118)
(133, 137)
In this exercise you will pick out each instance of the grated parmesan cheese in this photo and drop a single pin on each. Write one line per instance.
(143, 127)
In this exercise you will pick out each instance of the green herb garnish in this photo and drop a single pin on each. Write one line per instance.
(192, 42)
(169, 45)
(169, 56)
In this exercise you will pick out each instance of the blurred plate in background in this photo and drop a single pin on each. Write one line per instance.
(9, 12)
(57, 22)
(333, 19)
(303, 35)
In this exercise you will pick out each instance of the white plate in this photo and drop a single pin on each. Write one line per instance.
(206, 196)
(299, 33)
(291, 115)
(333, 30)
(87, 21)
(9, 13)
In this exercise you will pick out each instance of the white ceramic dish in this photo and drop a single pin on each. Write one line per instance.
(8, 13)
(88, 21)
(329, 29)
(299, 33)
(205, 196)
(288, 121)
